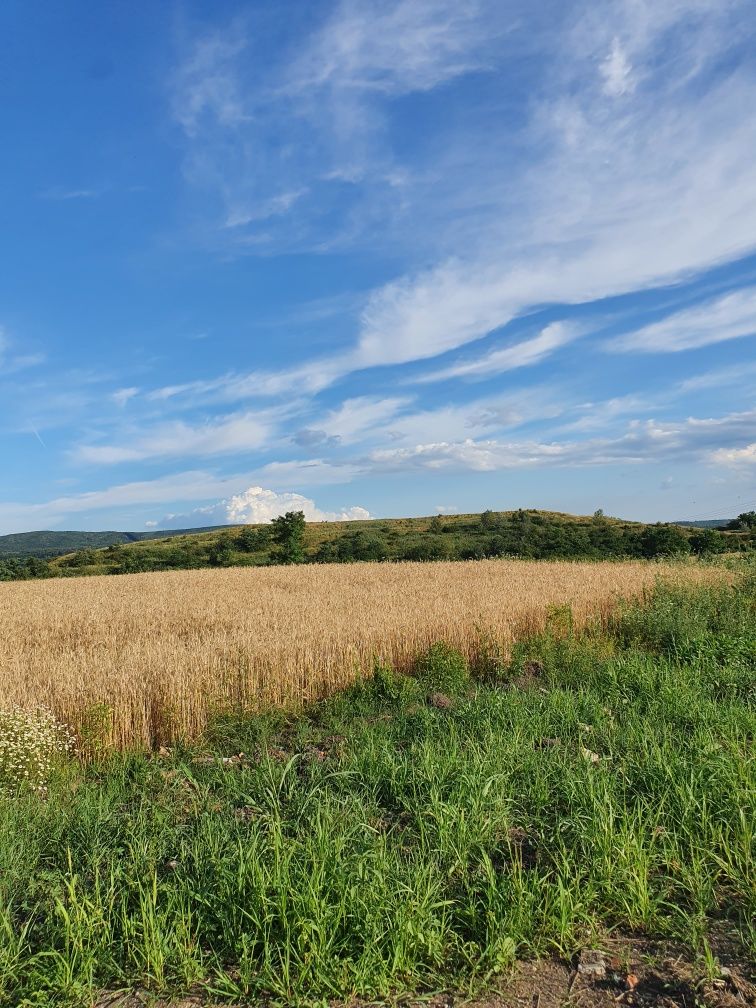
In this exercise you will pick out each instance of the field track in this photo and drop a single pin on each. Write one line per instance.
(151, 656)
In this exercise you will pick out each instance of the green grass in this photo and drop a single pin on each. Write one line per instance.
(378, 844)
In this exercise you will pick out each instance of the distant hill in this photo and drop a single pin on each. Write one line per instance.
(707, 523)
(48, 544)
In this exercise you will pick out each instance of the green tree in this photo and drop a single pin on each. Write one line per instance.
(436, 525)
(708, 541)
(249, 539)
(288, 535)
(222, 551)
(663, 540)
(363, 545)
(488, 521)
(746, 520)
(428, 548)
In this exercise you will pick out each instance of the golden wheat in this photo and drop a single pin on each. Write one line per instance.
(155, 654)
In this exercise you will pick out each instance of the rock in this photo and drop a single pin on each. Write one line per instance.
(592, 963)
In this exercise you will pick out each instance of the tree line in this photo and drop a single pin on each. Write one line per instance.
(528, 534)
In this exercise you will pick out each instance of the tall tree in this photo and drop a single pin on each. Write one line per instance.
(288, 535)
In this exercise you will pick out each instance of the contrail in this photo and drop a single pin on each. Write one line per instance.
(36, 434)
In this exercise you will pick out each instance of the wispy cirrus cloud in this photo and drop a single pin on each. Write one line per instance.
(60, 193)
(517, 355)
(326, 97)
(731, 316)
(11, 360)
(236, 433)
(609, 173)
(627, 137)
(742, 374)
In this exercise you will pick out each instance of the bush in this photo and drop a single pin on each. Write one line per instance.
(31, 741)
(443, 669)
(385, 687)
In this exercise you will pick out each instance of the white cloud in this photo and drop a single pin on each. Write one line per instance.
(585, 199)
(10, 361)
(735, 456)
(238, 433)
(731, 316)
(261, 144)
(70, 194)
(189, 486)
(491, 413)
(396, 47)
(355, 418)
(121, 396)
(309, 472)
(523, 354)
(582, 217)
(644, 441)
(736, 374)
(599, 415)
(308, 378)
(257, 505)
(617, 71)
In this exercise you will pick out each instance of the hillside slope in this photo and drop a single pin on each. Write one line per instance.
(49, 543)
(529, 534)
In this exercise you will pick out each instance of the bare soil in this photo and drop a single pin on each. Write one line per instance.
(617, 973)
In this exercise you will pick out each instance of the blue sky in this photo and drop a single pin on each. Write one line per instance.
(376, 258)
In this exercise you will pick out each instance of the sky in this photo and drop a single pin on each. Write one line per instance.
(376, 259)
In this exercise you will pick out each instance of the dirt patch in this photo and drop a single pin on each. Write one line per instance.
(616, 973)
(635, 973)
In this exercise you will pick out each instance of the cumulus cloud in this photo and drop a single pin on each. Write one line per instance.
(257, 505)
(736, 456)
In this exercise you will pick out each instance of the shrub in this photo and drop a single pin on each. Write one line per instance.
(386, 686)
(31, 741)
(443, 669)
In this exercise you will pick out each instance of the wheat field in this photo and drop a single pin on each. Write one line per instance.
(154, 655)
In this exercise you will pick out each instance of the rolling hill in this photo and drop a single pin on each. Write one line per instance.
(47, 544)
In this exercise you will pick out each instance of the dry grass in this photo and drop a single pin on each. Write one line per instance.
(159, 652)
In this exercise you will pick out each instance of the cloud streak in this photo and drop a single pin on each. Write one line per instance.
(731, 316)
(238, 433)
(646, 441)
(523, 354)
